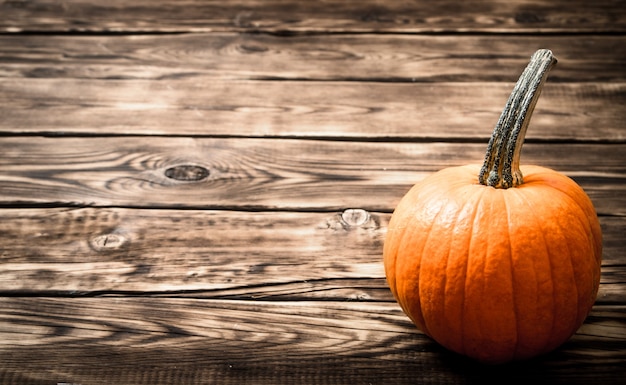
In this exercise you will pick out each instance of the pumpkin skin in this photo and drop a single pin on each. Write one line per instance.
(498, 262)
(495, 274)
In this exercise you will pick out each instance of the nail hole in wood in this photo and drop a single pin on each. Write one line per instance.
(187, 173)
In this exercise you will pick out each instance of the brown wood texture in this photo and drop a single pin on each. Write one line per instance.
(334, 255)
(401, 16)
(589, 112)
(193, 341)
(212, 84)
(356, 57)
(290, 174)
(197, 192)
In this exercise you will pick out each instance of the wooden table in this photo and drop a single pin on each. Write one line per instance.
(197, 192)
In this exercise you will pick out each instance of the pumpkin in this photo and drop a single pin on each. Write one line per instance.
(497, 262)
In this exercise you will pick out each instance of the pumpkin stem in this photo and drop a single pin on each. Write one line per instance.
(501, 166)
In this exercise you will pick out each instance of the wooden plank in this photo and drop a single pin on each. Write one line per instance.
(218, 254)
(566, 111)
(502, 16)
(153, 250)
(263, 174)
(161, 341)
(406, 58)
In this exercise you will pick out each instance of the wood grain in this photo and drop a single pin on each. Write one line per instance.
(497, 16)
(242, 342)
(197, 191)
(217, 254)
(266, 174)
(153, 250)
(354, 57)
(354, 110)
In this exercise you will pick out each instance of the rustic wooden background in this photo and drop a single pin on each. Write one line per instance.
(197, 192)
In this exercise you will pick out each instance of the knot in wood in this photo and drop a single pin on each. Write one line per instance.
(106, 242)
(187, 173)
(355, 217)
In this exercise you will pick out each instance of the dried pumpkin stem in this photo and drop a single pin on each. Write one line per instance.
(501, 166)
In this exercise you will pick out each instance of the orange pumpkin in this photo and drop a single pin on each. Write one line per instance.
(504, 266)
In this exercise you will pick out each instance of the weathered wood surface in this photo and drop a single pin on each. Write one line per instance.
(208, 84)
(197, 192)
(355, 57)
(359, 110)
(267, 174)
(495, 16)
(192, 341)
(71, 251)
